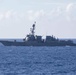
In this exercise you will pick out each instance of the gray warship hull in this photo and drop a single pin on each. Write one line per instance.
(34, 40)
(12, 43)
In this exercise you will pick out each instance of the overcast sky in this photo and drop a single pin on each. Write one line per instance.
(53, 17)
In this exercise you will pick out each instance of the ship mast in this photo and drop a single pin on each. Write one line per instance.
(33, 29)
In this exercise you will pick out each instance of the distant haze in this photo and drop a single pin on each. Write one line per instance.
(53, 17)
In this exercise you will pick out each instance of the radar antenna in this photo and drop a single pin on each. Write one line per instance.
(33, 29)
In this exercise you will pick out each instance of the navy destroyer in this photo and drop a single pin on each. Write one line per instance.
(34, 40)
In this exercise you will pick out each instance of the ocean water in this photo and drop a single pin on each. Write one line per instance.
(37, 60)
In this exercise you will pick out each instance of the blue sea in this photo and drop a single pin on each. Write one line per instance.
(37, 60)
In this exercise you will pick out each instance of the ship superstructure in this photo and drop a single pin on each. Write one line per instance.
(32, 37)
